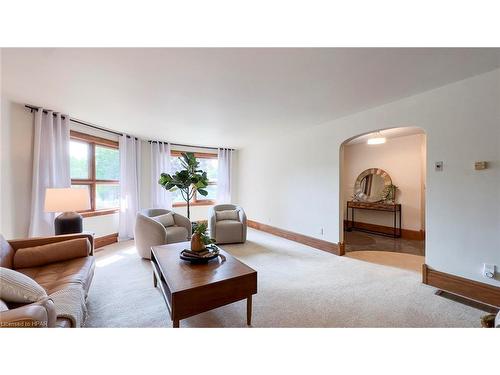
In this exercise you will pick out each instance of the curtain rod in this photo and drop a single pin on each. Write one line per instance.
(192, 146)
(33, 108)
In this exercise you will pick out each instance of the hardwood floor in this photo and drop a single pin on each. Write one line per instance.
(361, 241)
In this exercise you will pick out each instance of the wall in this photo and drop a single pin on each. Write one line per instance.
(401, 158)
(293, 182)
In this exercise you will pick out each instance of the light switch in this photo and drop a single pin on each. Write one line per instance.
(438, 166)
(479, 165)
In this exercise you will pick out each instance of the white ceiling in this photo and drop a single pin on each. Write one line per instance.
(387, 133)
(227, 97)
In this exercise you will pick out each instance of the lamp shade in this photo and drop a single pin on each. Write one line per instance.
(66, 200)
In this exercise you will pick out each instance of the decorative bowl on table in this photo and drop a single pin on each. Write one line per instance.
(200, 257)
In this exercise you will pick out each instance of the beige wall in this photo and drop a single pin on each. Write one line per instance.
(402, 159)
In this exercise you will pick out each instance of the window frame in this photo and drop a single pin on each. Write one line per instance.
(195, 201)
(92, 182)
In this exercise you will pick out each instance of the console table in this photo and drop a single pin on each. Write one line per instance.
(394, 208)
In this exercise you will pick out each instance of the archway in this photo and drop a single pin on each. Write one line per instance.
(373, 222)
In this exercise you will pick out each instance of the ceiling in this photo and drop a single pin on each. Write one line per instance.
(227, 96)
(387, 133)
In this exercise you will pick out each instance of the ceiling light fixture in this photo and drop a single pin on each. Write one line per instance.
(377, 140)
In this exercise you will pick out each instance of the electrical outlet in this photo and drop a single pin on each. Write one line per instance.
(489, 271)
(438, 166)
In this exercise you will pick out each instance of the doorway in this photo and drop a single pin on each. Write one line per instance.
(382, 196)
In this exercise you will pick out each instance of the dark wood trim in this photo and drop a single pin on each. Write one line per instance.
(203, 155)
(474, 290)
(194, 203)
(407, 234)
(341, 246)
(296, 237)
(99, 212)
(93, 139)
(105, 240)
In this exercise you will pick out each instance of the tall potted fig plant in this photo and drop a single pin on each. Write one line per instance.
(188, 180)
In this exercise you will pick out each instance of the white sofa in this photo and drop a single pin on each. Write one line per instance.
(149, 232)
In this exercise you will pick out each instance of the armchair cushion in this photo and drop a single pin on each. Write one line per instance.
(229, 231)
(177, 234)
(167, 220)
(51, 253)
(3, 306)
(19, 288)
(227, 215)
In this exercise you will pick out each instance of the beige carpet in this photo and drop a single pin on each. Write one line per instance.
(298, 286)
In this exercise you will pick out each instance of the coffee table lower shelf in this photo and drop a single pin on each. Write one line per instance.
(190, 290)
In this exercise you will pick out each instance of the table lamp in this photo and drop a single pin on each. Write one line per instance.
(67, 201)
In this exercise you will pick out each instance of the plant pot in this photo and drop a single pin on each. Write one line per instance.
(196, 243)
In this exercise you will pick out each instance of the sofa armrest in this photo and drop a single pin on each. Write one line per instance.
(38, 241)
(40, 314)
(183, 221)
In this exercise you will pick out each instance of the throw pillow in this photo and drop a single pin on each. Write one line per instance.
(19, 288)
(227, 215)
(51, 253)
(167, 220)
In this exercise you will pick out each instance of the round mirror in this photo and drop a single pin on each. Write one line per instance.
(370, 185)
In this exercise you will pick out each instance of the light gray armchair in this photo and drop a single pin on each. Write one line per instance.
(227, 229)
(149, 232)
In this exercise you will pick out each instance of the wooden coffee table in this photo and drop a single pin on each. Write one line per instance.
(190, 289)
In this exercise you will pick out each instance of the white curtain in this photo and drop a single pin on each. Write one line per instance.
(130, 151)
(50, 166)
(224, 176)
(160, 163)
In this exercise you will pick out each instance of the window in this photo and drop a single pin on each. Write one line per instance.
(95, 166)
(208, 163)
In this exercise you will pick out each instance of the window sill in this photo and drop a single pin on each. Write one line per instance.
(99, 212)
(201, 203)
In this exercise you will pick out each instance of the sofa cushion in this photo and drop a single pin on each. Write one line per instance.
(227, 215)
(52, 253)
(176, 234)
(167, 220)
(56, 276)
(228, 231)
(18, 287)
(6, 253)
(3, 306)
